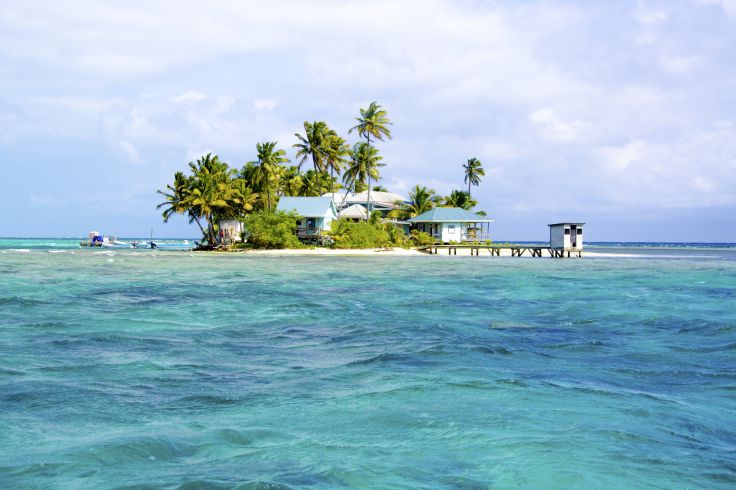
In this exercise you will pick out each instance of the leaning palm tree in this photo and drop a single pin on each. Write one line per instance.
(473, 172)
(209, 197)
(312, 144)
(364, 164)
(337, 154)
(372, 122)
(267, 169)
(175, 197)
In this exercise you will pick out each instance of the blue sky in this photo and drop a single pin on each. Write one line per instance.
(619, 114)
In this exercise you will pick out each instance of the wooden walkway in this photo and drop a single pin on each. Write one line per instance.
(516, 250)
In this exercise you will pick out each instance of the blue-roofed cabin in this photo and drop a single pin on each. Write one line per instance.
(453, 225)
(317, 214)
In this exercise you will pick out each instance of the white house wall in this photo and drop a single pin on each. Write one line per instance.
(558, 238)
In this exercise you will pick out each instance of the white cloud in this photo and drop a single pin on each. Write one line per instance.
(647, 15)
(728, 6)
(550, 126)
(678, 65)
(190, 96)
(131, 153)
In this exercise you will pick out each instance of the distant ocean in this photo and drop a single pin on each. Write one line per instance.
(156, 369)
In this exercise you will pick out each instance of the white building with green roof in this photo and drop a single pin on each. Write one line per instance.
(453, 225)
(317, 214)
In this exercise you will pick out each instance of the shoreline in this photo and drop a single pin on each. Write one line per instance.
(401, 252)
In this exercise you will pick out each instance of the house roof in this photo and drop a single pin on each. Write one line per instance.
(378, 198)
(567, 223)
(308, 207)
(354, 211)
(442, 215)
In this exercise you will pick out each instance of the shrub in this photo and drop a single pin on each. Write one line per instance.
(348, 234)
(374, 234)
(272, 230)
(420, 238)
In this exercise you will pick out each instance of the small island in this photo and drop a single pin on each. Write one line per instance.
(268, 203)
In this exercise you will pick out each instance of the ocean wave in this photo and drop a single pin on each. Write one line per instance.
(139, 449)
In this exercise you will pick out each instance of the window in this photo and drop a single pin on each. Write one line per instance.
(450, 228)
(580, 231)
(567, 231)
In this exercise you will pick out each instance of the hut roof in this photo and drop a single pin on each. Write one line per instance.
(354, 211)
(378, 198)
(443, 215)
(308, 207)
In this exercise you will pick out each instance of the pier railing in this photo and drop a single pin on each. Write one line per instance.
(308, 231)
(465, 237)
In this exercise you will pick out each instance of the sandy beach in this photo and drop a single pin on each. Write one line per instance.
(399, 252)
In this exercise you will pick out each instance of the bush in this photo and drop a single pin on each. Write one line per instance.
(272, 230)
(349, 234)
(420, 238)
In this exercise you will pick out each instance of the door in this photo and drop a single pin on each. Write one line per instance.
(574, 236)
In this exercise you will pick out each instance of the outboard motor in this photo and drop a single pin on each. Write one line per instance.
(153, 245)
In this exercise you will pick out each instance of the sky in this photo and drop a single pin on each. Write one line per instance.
(620, 114)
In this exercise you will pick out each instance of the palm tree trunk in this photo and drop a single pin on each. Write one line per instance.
(469, 181)
(332, 182)
(368, 217)
(212, 237)
(196, 220)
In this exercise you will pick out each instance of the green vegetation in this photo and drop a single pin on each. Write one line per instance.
(366, 234)
(372, 122)
(211, 192)
(460, 199)
(272, 230)
(473, 172)
(420, 238)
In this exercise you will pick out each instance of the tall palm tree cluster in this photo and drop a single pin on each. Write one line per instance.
(214, 191)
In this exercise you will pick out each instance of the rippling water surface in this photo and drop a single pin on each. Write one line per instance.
(135, 369)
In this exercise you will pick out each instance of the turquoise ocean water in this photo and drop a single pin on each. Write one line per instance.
(141, 369)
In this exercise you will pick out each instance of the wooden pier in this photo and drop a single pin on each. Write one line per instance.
(495, 250)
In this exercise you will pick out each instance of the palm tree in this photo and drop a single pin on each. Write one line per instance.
(267, 169)
(422, 199)
(364, 164)
(372, 122)
(242, 197)
(473, 172)
(209, 194)
(175, 197)
(292, 181)
(337, 153)
(316, 183)
(312, 144)
(460, 199)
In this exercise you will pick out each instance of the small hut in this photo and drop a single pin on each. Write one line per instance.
(231, 230)
(566, 236)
